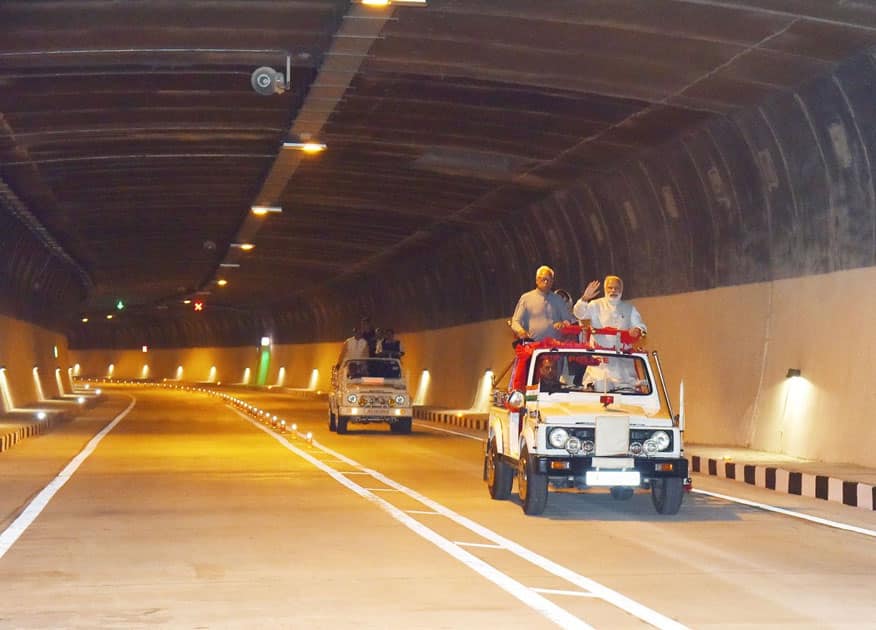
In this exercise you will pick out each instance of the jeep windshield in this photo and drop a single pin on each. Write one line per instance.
(373, 368)
(603, 373)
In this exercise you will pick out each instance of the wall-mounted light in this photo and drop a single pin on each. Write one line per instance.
(266, 341)
(145, 348)
(261, 211)
(792, 372)
(84, 320)
(55, 351)
(229, 265)
(244, 246)
(306, 147)
(109, 316)
(222, 282)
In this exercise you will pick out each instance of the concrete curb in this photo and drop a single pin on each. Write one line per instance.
(466, 420)
(851, 493)
(9, 436)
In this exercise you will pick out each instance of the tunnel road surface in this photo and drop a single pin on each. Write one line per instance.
(170, 508)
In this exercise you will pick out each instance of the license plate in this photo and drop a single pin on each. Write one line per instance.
(613, 478)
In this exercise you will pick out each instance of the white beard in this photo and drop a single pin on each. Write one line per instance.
(614, 300)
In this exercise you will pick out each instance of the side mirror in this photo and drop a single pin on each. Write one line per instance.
(516, 400)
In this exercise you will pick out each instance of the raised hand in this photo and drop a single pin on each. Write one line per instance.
(591, 291)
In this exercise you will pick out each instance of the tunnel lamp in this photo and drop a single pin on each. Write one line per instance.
(84, 320)
(266, 341)
(145, 348)
(81, 400)
(385, 3)
(229, 265)
(186, 301)
(55, 351)
(222, 282)
(792, 372)
(41, 415)
(109, 316)
(306, 147)
(244, 246)
(261, 211)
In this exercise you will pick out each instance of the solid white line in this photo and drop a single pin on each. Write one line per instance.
(41, 500)
(552, 591)
(613, 597)
(778, 510)
(421, 512)
(556, 614)
(434, 428)
(471, 544)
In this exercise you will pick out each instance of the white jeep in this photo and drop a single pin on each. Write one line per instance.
(578, 415)
(366, 391)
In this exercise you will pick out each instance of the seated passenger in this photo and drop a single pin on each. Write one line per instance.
(548, 375)
(355, 369)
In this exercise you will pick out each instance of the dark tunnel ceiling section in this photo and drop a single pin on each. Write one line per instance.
(474, 139)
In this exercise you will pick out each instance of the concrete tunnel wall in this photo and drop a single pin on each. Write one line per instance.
(756, 230)
(731, 346)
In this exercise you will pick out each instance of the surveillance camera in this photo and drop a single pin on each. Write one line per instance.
(267, 81)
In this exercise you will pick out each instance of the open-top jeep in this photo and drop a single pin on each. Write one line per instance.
(369, 390)
(585, 415)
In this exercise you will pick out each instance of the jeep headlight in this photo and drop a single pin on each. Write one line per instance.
(351, 398)
(400, 400)
(558, 437)
(661, 440)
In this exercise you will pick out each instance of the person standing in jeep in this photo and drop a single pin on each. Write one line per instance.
(540, 312)
(610, 311)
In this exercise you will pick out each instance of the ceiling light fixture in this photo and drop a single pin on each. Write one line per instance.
(222, 282)
(307, 147)
(229, 265)
(263, 210)
(385, 3)
(244, 246)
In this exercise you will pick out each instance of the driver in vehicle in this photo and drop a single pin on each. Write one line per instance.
(548, 375)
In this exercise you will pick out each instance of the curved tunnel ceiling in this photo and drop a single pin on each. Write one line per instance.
(685, 144)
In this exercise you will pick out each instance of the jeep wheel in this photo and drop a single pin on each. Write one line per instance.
(532, 486)
(402, 425)
(621, 493)
(332, 422)
(497, 473)
(666, 494)
(342, 424)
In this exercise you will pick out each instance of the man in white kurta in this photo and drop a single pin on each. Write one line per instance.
(612, 312)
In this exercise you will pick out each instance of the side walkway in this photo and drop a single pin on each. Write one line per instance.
(842, 483)
(41, 417)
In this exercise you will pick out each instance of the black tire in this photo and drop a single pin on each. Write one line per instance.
(332, 421)
(532, 486)
(402, 425)
(342, 424)
(621, 493)
(498, 474)
(667, 494)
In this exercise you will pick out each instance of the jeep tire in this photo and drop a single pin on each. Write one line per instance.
(402, 425)
(342, 424)
(332, 420)
(532, 486)
(621, 493)
(498, 474)
(667, 494)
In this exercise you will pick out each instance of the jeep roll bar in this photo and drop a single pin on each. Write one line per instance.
(663, 385)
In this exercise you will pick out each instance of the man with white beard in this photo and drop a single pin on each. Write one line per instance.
(611, 312)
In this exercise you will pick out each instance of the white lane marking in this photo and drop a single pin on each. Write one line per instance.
(381, 489)
(778, 510)
(33, 509)
(541, 604)
(434, 428)
(422, 512)
(553, 591)
(613, 597)
(462, 543)
(617, 599)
